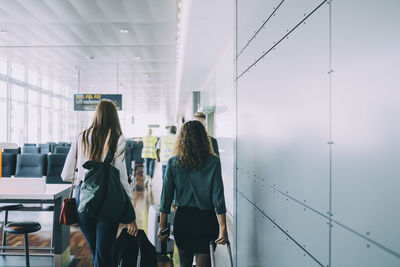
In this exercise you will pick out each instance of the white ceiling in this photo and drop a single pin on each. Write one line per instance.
(58, 37)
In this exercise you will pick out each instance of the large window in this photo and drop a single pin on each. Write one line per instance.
(36, 108)
(17, 114)
(33, 116)
(3, 109)
(3, 120)
(33, 78)
(3, 89)
(18, 72)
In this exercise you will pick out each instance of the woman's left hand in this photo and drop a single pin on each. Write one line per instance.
(223, 237)
(160, 236)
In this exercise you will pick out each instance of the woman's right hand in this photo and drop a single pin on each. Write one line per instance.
(223, 237)
(132, 228)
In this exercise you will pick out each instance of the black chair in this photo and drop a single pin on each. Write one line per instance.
(30, 149)
(55, 165)
(61, 150)
(8, 164)
(6, 209)
(23, 228)
(12, 150)
(29, 144)
(31, 165)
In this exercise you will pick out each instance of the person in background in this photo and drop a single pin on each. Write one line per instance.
(93, 144)
(201, 117)
(165, 147)
(149, 156)
(194, 178)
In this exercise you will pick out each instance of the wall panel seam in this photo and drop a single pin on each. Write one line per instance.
(329, 218)
(281, 229)
(278, 42)
(259, 29)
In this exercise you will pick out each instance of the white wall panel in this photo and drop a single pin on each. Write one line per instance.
(251, 15)
(300, 222)
(287, 16)
(366, 119)
(349, 250)
(336, 75)
(283, 116)
(259, 242)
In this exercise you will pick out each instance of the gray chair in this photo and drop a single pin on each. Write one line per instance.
(44, 148)
(55, 165)
(30, 149)
(62, 143)
(61, 150)
(8, 164)
(29, 144)
(31, 165)
(52, 146)
(12, 150)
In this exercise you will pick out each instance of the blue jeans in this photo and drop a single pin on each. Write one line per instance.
(149, 166)
(164, 167)
(99, 235)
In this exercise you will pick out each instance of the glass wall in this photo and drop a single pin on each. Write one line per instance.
(34, 108)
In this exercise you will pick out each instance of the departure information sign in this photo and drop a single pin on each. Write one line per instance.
(88, 102)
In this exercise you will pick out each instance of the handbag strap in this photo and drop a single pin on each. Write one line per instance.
(74, 176)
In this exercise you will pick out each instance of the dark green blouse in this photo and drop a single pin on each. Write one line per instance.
(202, 188)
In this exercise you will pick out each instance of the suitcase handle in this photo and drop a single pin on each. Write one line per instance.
(212, 256)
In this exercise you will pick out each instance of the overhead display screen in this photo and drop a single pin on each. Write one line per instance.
(88, 102)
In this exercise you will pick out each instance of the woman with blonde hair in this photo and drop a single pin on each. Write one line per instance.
(103, 137)
(193, 177)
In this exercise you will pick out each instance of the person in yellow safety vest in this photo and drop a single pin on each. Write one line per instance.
(165, 147)
(149, 156)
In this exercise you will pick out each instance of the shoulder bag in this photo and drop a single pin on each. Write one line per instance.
(102, 194)
(68, 214)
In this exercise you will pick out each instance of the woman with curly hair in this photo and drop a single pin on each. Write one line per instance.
(193, 177)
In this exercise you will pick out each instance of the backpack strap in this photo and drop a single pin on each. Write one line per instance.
(109, 158)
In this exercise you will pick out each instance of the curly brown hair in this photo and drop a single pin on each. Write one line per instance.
(193, 145)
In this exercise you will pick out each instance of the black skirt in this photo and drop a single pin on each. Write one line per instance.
(195, 228)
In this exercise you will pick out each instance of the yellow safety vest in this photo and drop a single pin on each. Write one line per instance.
(149, 147)
(167, 147)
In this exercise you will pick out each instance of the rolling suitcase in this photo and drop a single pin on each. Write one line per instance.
(228, 247)
(166, 247)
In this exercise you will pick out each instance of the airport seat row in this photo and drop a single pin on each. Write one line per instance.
(34, 165)
(45, 149)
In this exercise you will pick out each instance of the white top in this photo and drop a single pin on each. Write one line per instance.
(118, 162)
